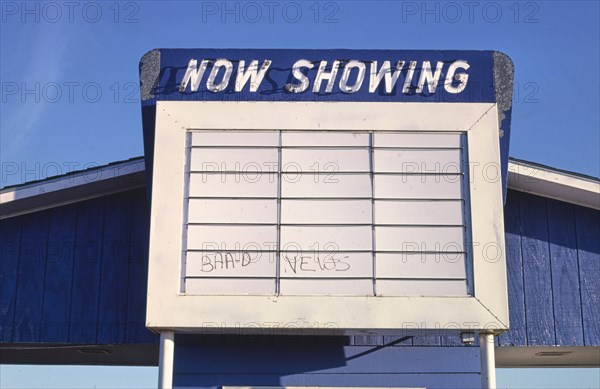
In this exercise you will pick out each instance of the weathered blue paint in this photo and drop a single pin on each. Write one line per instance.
(366, 340)
(77, 273)
(328, 361)
(553, 255)
(113, 286)
(86, 272)
(588, 250)
(506, 117)
(59, 275)
(427, 340)
(566, 292)
(30, 281)
(135, 330)
(514, 265)
(556, 247)
(536, 272)
(10, 238)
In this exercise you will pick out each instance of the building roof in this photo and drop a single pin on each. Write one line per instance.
(72, 187)
(124, 175)
(554, 183)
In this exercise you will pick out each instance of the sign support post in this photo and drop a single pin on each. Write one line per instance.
(488, 361)
(165, 362)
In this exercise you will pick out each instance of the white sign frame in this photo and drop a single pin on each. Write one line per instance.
(169, 309)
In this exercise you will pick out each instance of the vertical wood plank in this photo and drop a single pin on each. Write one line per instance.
(135, 330)
(86, 272)
(113, 280)
(517, 335)
(368, 340)
(10, 238)
(30, 288)
(588, 248)
(400, 340)
(565, 274)
(536, 271)
(427, 340)
(59, 274)
(451, 341)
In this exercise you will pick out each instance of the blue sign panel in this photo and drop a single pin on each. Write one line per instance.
(321, 75)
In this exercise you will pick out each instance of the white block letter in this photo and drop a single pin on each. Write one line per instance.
(322, 75)
(344, 87)
(193, 73)
(298, 75)
(431, 80)
(384, 72)
(409, 76)
(253, 74)
(461, 77)
(220, 63)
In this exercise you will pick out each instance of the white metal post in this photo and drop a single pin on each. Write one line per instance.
(488, 361)
(165, 360)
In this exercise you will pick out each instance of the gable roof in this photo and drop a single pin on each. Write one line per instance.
(554, 183)
(72, 187)
(124, 175)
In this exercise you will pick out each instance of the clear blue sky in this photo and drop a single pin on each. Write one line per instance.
(70, 94)
(70, 73)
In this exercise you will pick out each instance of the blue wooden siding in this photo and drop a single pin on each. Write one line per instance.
(322, 361)
(59, 274)
(77, 274)
(553, 253)
(587, 225)
(10, 251)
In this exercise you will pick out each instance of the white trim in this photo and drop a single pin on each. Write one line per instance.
(488, 361)
(165, 359)
(548, 356)
(168, 309)
(553, 184)
(71, 188)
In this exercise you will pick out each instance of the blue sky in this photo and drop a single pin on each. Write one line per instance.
(70, 96)
(69, 73)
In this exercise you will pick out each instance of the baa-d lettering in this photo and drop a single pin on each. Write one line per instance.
(218, 65)
(452, 76)
(429, 79)
(246, 260)
(219, 260)
(229, 260)
(385, 72)
(324, 75)
(252, 73)
(207, 265)
(193, 73)
(298, 75)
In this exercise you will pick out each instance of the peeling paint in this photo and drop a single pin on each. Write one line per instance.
(149, 72)
(503, 81)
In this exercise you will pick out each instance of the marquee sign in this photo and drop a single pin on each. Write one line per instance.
(351, 73)
(318, 75)
(349, 191)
